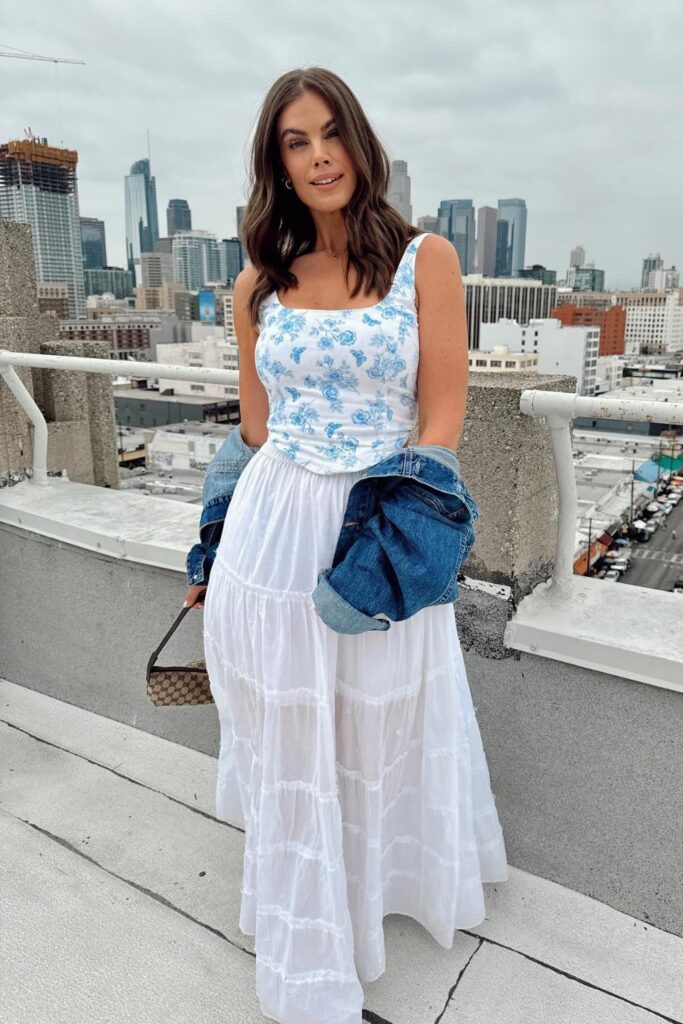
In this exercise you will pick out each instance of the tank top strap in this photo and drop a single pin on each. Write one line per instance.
(403, 285)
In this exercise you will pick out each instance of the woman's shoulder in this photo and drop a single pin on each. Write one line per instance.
(436, 264)
(246, 280)
(435, 253)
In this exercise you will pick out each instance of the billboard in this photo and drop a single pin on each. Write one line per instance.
(207, 307)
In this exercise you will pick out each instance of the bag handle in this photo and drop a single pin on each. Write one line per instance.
(155, 654)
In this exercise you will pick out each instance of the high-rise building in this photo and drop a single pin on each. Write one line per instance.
(240, 212)
(588, 279)
(398, 194)
(539, 273)
(663, 279)
(511, 237)
(142, 222)
(178, 216)
(114, 281)
(195, 259)
(38, 186)
(577, 257)
(156, 269)
(93, 243)
(652, 262)
(230, 258)
(456, 223)
(485, 249)
(428, 223)
(487, 299)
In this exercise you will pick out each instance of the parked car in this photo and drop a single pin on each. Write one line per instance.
(612, 574)
(678, 586)
(620, 564)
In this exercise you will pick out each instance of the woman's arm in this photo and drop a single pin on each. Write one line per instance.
(443, 373)
(252, 394)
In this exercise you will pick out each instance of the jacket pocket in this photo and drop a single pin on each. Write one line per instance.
(459, 508)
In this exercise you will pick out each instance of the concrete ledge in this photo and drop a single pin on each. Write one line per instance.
(627, 631)
(123, 524)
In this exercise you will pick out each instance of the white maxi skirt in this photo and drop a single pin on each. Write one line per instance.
(354, 762)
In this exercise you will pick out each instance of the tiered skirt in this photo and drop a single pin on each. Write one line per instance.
(354, 762)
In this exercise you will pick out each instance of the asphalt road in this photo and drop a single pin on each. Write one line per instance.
(659, 562)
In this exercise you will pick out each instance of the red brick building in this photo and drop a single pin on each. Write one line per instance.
(612, 324)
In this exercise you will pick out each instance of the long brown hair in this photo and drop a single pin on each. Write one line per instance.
(277, 226)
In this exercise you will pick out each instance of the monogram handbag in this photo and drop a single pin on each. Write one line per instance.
(177, 684)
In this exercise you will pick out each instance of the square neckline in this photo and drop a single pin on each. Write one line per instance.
(352, 309)
(319, 309)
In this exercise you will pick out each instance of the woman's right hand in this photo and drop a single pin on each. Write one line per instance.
(195, 596)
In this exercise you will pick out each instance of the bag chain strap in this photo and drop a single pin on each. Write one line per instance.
(156, 653)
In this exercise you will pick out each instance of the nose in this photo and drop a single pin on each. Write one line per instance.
(319, 152)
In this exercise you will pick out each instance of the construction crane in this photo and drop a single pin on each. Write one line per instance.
(26, 55)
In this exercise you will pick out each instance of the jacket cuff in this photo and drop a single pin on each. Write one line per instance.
(197, 570)
(338, 614)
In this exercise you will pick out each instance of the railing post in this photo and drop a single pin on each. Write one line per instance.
(23, 396)
(560, 439)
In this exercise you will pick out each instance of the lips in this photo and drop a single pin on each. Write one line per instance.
(327, 183)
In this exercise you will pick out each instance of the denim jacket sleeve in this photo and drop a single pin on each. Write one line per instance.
(406, 556)
(222, 475)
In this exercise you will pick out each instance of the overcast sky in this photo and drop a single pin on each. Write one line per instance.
(574, 105)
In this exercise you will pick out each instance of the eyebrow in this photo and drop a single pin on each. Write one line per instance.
(298, 131)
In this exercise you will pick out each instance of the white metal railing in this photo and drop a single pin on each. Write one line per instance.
(558, 410)
(113, 367)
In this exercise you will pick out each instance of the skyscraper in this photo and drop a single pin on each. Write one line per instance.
(196, 261)
(399, 189)
(178, 216)
(577, 257)
(428, 223)
(230, 257)
(511, 237)
(485, 259)
(93, 243)
(38, 186)
(456, 223)
(652, 262)
(240, 212)
(142, 222)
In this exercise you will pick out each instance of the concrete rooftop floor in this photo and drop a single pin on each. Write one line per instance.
(120, 902)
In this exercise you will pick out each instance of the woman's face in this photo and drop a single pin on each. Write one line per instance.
(315, 149)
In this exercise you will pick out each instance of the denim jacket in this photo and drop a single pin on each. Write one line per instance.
(222, 474)
(408, 527)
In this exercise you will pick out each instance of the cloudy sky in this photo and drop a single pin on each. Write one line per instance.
(574, 105)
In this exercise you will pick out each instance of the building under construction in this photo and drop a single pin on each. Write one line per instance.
(38, 186)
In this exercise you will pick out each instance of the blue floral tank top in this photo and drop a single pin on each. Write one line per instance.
(342, 383)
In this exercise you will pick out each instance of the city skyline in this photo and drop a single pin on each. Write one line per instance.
(581, 131)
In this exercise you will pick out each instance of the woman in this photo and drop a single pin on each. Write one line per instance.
(358, 759)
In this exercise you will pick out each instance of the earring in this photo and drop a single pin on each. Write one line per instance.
(288, 184)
